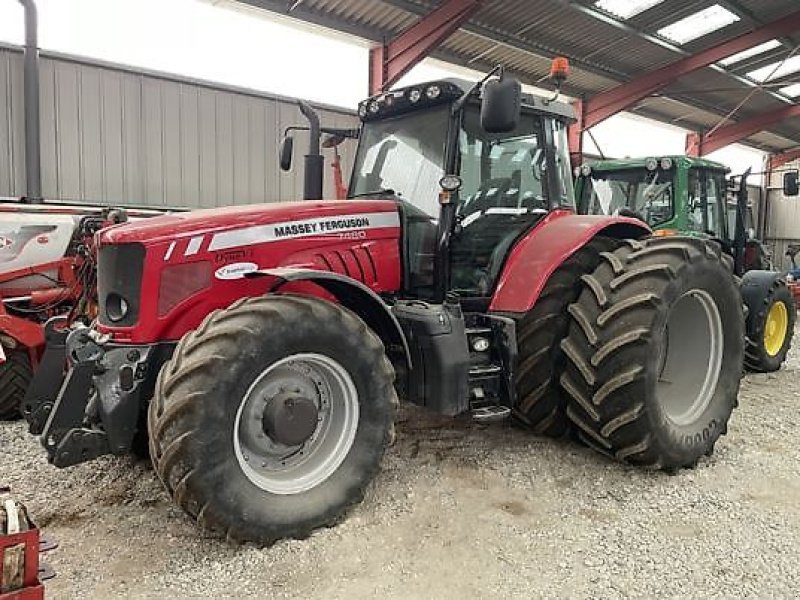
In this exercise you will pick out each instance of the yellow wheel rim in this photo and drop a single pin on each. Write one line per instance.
(776, 328)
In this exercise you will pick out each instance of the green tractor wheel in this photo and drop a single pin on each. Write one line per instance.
(770, 320)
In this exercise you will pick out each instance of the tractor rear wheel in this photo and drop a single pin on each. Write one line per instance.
(655, 350)
(272, 417)
(769, 325)
(540, 400)
(15, 377)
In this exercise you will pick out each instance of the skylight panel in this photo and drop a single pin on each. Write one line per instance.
(699, 24)
(754, 51)
(776, 70)
(793, 91)
(626, 9)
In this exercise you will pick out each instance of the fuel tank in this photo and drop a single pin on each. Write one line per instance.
(159, 278)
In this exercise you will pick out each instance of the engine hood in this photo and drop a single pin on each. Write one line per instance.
(218, 220)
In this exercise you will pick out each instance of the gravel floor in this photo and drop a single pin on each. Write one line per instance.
(458, 512)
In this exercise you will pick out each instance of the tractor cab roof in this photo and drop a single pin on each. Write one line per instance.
(679, 160)
(426, 95)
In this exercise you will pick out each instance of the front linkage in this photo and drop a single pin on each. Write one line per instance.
(97, 406)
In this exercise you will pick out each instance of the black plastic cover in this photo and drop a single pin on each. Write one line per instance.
(438, 343)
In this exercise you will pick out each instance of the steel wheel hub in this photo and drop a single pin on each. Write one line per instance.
(692, 358)
(296, 423)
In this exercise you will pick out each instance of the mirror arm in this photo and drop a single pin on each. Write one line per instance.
(459, 104)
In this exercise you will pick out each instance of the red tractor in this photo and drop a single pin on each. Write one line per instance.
(262, 349)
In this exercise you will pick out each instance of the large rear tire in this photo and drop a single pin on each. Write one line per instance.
(541, 402)
(272, 417)
(770, 325)
(15, 377)
(655, 350)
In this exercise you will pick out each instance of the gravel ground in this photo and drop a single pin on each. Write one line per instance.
(459, 511)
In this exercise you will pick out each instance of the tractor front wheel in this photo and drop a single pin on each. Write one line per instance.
(770, 320)
(15, 377)
(655, 350)
(272, 417)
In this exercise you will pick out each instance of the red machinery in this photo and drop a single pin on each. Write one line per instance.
(261, 349)
(46, 269)
(19, 552)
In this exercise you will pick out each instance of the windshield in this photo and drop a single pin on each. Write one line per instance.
(404, 154)
(649, 194)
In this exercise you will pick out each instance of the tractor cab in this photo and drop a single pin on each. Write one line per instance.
(467, 189)
(673, 193)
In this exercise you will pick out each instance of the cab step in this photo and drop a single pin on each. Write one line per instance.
(490, 414)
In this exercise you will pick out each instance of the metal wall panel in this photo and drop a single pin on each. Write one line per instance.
(782, 218)
(121, 136)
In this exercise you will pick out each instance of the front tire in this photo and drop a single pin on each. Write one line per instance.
(15, 377)
(655, 349)
(770, 324)
(272, 417)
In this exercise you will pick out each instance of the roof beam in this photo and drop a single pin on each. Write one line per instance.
(391, 60)
(606, 104)
(700, 144)
(776, 161)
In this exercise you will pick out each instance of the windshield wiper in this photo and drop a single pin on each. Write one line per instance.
(387, 191)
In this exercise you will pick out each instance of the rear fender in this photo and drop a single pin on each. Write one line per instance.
(545, 247)
(351, 294)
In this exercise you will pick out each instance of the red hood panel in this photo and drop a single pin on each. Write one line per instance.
(198, 222)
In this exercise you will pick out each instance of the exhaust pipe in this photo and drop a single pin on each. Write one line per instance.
(314, 162)
(33, 164)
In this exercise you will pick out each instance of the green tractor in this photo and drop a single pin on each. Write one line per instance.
(695, 196)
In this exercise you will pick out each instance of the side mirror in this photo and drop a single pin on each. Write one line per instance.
(791, 187)
(287, 148)
(501, 105)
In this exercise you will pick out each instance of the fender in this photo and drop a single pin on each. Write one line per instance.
(351, 294)
(544, 248)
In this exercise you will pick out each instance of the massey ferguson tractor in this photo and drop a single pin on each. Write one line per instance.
(262, 349)
(694, 196)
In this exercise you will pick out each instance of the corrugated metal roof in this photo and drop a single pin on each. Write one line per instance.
(525, 34)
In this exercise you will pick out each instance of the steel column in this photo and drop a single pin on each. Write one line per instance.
(611, 102)
(33, 152)
(701, 144)
(390, 61)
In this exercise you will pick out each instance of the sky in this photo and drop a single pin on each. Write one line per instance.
(224, 42)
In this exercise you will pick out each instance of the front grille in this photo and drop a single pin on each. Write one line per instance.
(119, 271)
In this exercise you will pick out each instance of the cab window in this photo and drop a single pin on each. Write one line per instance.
(707, 213)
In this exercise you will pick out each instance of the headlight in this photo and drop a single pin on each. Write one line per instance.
(374, 107)
(116, 307)
(414, 95)
(666, 163)
(480, 344)
(450, 183)
(362, 110)
(651, 164)
(433, 92)
(586, 170)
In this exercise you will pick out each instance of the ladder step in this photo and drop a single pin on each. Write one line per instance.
(491, 414)
(484, 370)
(478, 330)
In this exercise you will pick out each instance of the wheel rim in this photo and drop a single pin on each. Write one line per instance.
(692, 357)
(776, 327)
(263, 453)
